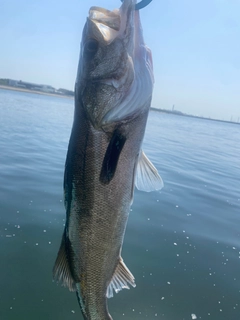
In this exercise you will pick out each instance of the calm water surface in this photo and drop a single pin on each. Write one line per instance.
(182, 244)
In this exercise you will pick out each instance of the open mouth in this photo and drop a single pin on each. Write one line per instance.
(108, 23)
(112, 24)
(106, 18)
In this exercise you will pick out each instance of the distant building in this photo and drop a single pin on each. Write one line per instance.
(28, 85)
(65, 92)
(12, 83)
(35, 87)
(19, 85)
(49, 89)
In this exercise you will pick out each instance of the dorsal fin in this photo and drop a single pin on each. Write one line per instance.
(147, 177)
(61, 269)
(111, 157)
(121, 279)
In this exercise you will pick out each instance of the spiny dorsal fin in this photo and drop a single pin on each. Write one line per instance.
(61, 270)
(147, 177)
(121, 279)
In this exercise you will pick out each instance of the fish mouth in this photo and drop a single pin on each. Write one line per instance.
(107, 25)
(105, 17)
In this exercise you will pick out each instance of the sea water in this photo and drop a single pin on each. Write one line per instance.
(182, 244)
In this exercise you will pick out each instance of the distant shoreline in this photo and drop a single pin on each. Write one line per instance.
(35, 92)
(191, 116)
(152, 109)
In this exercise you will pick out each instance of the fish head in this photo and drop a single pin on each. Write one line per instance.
(115, 73)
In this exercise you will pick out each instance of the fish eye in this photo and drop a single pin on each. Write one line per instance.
(91, 47)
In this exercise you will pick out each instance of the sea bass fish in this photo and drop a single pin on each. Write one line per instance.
(105, 160)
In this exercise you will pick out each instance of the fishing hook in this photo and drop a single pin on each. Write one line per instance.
(142, 4)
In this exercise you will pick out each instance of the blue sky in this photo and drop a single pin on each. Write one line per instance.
(195, 45)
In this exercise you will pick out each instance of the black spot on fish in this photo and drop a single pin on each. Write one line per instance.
(111, 157)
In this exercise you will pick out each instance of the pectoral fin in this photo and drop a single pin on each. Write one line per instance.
(121, 279)
(61, 270)
(147, 177)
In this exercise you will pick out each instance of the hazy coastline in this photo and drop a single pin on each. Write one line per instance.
(174, 112)
(35, 91)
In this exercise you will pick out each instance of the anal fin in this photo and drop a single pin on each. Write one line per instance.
(147, 177)
(121, 279)
(61, 269)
